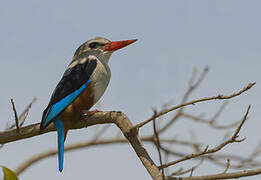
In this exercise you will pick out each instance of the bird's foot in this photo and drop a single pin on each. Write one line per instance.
(87, 114)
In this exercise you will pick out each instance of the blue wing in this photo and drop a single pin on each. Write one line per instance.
(72, 84)
(58, 107)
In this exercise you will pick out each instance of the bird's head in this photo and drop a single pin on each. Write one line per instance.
(101, 47)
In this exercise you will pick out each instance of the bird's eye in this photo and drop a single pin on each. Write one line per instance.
(93, 45)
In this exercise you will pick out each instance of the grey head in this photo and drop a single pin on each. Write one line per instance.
(94, 47)
(100, 47)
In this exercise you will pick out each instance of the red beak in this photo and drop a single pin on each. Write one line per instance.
(115, 45)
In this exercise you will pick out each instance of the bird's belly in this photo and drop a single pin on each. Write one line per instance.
(83, 102)
(100, 79)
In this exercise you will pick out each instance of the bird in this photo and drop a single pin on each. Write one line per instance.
(81, 86)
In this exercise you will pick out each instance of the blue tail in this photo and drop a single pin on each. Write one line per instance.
(60, 136)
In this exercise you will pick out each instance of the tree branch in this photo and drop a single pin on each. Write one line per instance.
(213, 150)
(220, 96)
(244, 173)
(157, 144)
(16, 116)
(95, 142)
(118, 118)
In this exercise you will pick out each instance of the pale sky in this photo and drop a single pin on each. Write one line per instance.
(38, 39)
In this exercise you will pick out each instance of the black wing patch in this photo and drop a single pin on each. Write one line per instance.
(73, 78)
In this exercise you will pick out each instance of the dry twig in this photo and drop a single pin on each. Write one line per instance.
(157, 143)
(215, 149)
(220, 97)
(227, 167)
(234, 175)
(16, 117)
(209, 122)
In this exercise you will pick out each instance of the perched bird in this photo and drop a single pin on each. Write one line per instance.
(82, 85)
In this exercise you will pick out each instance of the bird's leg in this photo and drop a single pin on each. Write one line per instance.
(87, 113)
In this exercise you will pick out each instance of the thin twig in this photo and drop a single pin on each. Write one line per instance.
(234, 175)
(220, 110)
(209, 122)
(157, 143)
(215, 149)
(72, 147)
(173, 141)
(16, 117)
(218, 158)
(219, 97)
(182, 172)
(22, 117)
(212, 121)
(24, 114)
(227, 166)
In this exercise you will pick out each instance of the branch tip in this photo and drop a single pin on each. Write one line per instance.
(16, 116)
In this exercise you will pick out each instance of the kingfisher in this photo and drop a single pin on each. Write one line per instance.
(81, 86)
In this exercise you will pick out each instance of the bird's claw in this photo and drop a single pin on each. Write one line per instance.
(89, 113)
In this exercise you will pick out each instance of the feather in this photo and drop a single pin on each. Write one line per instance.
(60, 137)
(58, 107)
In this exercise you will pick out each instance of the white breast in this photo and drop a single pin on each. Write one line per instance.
(101, 78)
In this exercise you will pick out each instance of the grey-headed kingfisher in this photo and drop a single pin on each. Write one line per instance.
(82, 85)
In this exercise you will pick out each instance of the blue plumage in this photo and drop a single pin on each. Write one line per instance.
(58, 107)
(60, 137)
(53, 112)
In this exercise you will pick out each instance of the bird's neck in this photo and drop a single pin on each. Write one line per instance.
(104, 57)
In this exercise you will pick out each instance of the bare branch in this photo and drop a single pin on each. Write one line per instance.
(220, 110)
(209, 122)
(212, 121)
(218, 97)
(71, 147)
(173, 141)
(213, 150)
(157, 143)
(95, 142)
(16, 117)
(131, 134)
(182, 172)
(118, 118)
(23, 115)
(218, 159)
(227, 167)
(238, 174)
